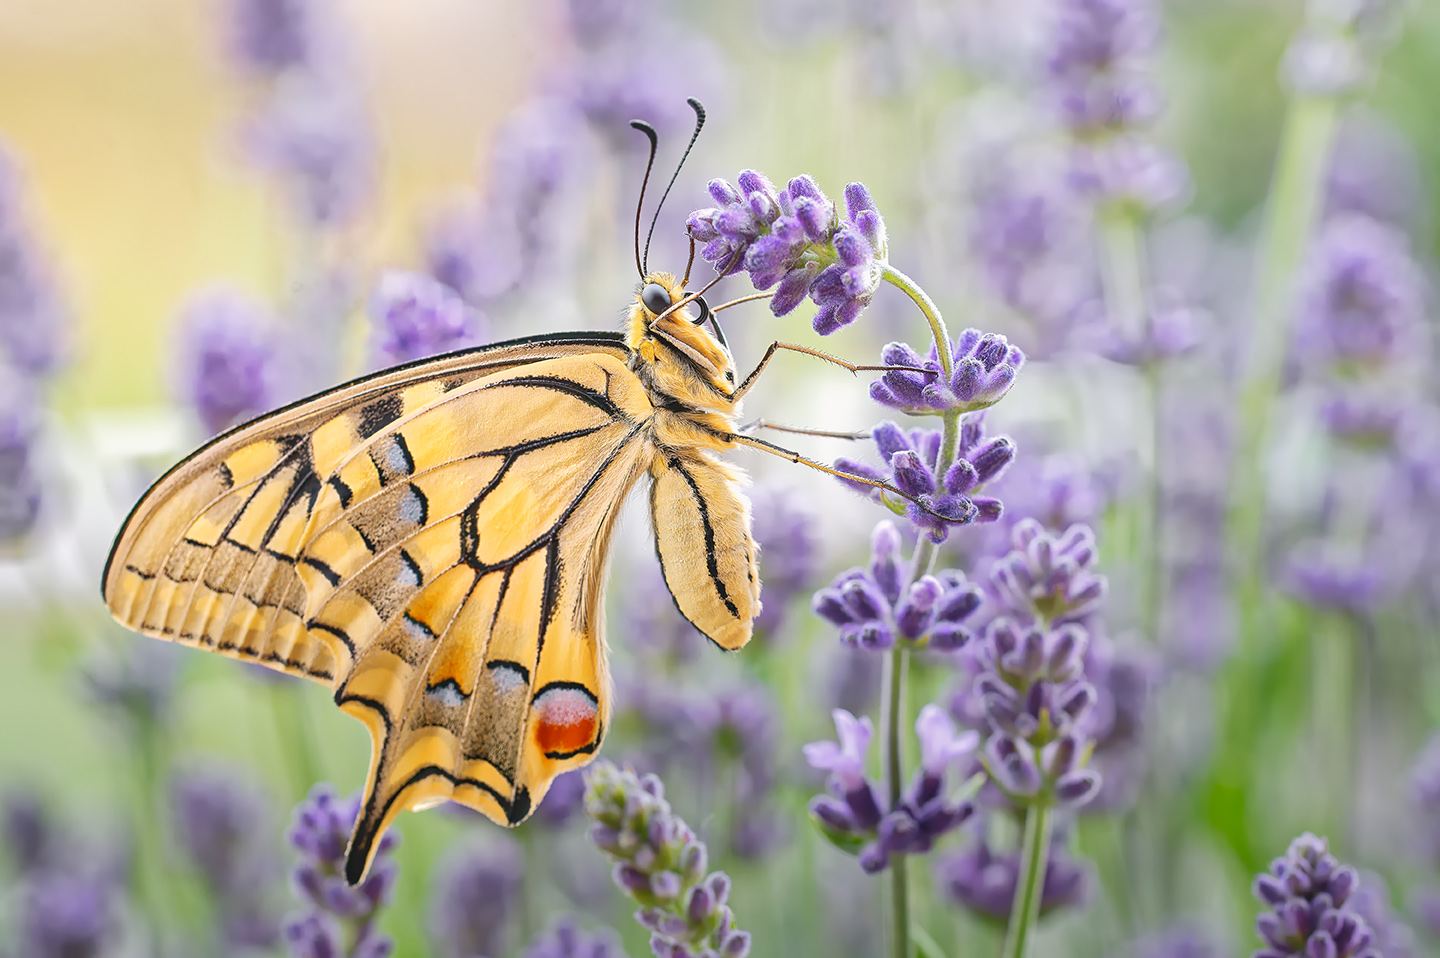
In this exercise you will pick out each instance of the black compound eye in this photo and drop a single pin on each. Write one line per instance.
(656, 298)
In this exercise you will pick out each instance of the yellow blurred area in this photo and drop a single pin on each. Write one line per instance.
(124, 115)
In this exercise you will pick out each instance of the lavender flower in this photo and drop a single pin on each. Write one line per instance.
(662, 865)
(1173, 330)
(339, 920)
(1031, 238)
(912, 460)
(415, 316)
(313, 136)
(874, 613)
(479, 891)
(216, 817)
(228, 357)
(1097, 72)
(1035, 696)
(982, 880)
(1363, 297)
(1128, 172)
(794, 240)
(67, 916)
(1307, 895)
(33, 317)
(1374, 170)
(616, 76)
(20, 485)
(1332, 576)
(568, 941)
(268, 37)
(851, 816)
(984, 370)
(30, 837)
(1048, 577)
(1096, 64)
(565, 798)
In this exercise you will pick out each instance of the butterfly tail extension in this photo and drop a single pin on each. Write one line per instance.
(703, 541)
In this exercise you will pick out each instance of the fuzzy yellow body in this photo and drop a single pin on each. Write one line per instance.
(431, 543)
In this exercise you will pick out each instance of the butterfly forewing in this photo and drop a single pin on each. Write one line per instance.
(207, 557)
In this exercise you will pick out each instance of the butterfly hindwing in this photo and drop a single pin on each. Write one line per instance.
(703, 542)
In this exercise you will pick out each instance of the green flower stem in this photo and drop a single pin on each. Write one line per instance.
(892, 710)
(1123, 268)
(892, 717)
(1034, 859)
(292, 729)
(1125, 274)
(1294, 207)
(932, 316)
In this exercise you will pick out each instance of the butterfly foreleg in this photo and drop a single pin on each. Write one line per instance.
(749, 380)
(795, 457)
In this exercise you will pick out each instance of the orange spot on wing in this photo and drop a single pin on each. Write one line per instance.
(565, 720)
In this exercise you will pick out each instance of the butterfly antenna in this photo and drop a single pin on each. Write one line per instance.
(650, 134)
(699, 125)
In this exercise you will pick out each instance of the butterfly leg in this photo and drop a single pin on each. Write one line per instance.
(795, 457)
(749, 380)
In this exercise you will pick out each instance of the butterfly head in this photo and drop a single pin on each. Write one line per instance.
(682, 349)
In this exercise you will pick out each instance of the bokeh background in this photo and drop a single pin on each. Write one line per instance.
(200, 220)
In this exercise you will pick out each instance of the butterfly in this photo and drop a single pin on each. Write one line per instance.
(431, 543)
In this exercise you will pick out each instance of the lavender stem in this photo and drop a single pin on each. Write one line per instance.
(892, 717)
(897, 664)
(1033, 860)
(1294, 206)
(932, 316)
(1126, 278)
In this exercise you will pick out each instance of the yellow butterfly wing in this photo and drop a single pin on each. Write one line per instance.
(430, 541)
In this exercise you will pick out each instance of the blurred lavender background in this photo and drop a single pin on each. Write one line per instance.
(1208, 224)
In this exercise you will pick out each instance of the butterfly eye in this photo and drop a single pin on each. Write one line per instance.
(655, 298)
